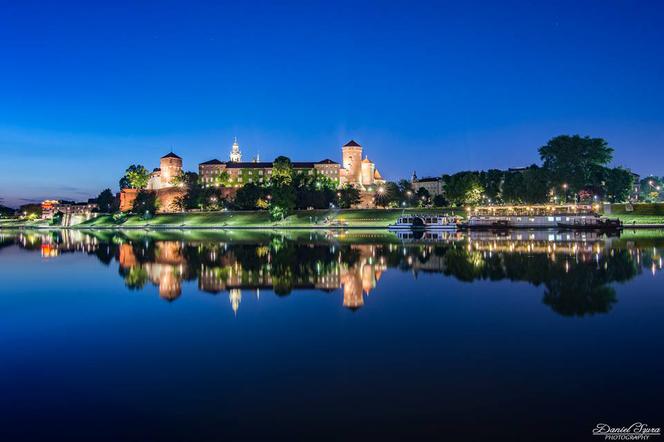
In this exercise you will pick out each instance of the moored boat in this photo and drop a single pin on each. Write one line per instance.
(595, 223)
(531, 217)
(424, 222)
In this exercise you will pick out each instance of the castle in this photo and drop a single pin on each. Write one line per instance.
(355, 171)
(358, 172)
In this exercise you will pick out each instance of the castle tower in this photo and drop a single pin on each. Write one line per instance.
(368, 171)
(235, 297)
(236, 155)
(352, 162)
(171, 166)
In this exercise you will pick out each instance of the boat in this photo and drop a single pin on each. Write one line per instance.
(595, 223)
(488, 223)
(424, 222)
(531, 217)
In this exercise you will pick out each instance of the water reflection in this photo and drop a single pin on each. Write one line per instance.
(576, 271)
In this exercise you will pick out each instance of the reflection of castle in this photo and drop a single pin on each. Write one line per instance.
(166, 271)
(167, 267)
(357, 280)
(575, 272)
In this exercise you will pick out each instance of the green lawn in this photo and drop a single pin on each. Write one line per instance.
(638, 219)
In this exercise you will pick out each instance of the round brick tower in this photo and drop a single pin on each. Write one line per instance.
(171, 166)
(352, 162)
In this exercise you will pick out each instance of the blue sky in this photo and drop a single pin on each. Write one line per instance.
(87, 89)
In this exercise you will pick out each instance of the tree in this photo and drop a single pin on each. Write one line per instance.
(315, 191)
(574, 160)
(106, 201)
(651, 189)
(348, 196)
(282, 201)
(535, 185)
(185, 179)
(31, 210)
(492, 180)
(463, 188)
(513, 188)
(6, 211)
(440, 201)
(247, 196)
(282, 171)
(391, 194)
(136, 177)
(145, 203)
(423, 197)
(619, 183)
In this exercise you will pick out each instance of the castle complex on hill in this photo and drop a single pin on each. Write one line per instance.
(355, 171)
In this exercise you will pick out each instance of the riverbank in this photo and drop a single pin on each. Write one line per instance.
(304, 219)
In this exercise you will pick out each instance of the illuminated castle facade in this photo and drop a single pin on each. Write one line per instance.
(358, 172)
(230, 175)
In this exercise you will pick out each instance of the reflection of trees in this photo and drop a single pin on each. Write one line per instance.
(575, 286)
(135, 277)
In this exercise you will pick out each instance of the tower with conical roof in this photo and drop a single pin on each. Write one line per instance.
(236, 155)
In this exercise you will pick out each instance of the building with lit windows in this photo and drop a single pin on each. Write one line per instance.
(361, 173)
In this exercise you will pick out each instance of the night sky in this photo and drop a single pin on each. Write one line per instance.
(88, 88)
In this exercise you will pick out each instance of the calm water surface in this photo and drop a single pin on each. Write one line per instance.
(317, 335)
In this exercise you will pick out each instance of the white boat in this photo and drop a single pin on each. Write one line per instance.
(424, 222)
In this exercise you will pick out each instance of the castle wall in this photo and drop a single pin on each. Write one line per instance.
(165, 198)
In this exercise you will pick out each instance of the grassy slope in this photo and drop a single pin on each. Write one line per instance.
(642, 213)
(638, 219)
(305, 218)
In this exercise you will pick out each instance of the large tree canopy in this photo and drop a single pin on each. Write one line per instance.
(106, 201)
(463, 188)
(136, 177)
(619, 184)
(575, 160)
(282, 171)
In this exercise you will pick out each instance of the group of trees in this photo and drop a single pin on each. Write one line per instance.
(403, 194)
(651, 189)
(573, 169)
